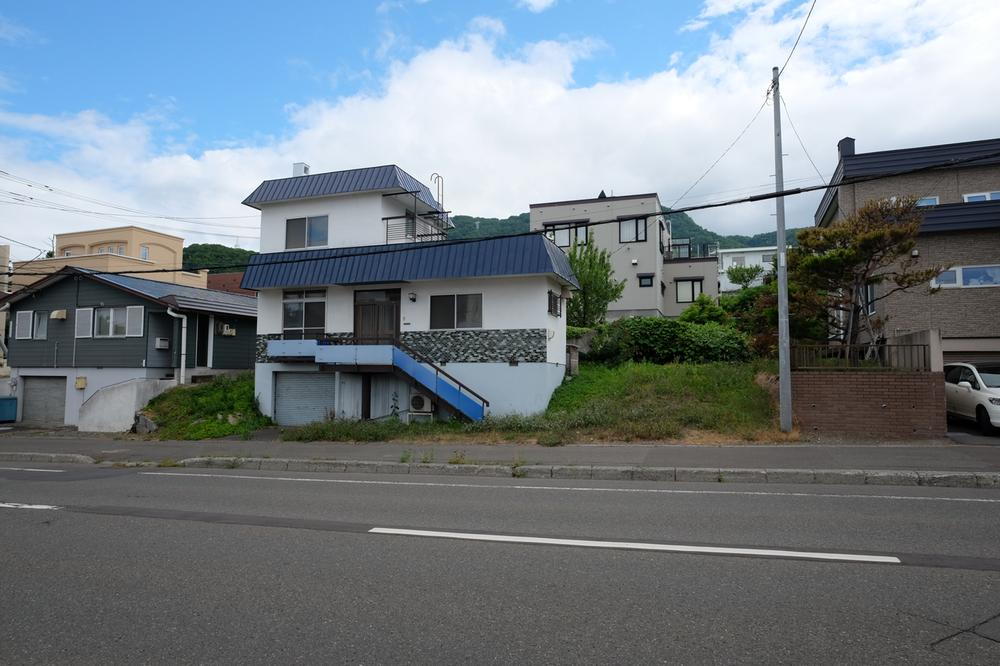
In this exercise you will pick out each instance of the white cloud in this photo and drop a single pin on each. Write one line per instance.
(14, 33)
(487, 25)
(510, 128)
(536, 6)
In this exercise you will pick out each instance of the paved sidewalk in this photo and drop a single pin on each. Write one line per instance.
(916, 456)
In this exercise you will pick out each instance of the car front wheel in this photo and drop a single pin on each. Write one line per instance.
(983, 419)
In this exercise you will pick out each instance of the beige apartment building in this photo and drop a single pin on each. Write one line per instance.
(960, 233)
(663, 275)
(119, 249)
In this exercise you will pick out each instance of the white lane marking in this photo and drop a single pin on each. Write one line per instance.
(638, 545)
(16, 505)
(30, 469)
(666, 491)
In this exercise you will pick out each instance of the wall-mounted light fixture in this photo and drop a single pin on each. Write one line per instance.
(412, 296)
(914, 253)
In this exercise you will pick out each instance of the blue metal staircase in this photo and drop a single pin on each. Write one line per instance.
(346, 353)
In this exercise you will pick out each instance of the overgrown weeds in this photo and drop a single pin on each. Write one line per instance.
(222, 407)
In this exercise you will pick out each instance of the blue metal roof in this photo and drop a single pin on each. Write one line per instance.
(183, 297)
(531, 254)
(368, 179)
(961, 217)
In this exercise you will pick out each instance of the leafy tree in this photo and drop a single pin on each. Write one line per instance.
(870, 247)
(598, 287)
(744, 275)
(703, 311)
(483, 227)
(197, 255)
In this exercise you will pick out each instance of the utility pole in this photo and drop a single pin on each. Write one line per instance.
(784, 347)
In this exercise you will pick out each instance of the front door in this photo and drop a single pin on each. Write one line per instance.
(376, 316)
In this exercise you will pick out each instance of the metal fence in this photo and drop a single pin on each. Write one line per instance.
(861, 357)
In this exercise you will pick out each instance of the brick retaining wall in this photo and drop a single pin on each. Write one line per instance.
(877, 404)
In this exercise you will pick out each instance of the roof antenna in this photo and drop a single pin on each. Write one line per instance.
(438, 180)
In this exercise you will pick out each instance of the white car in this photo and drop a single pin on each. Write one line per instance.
(972, 391)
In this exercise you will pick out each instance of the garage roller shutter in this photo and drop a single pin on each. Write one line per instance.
(44, 401)
(304, 397)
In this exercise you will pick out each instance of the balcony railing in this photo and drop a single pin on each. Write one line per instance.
(682, 249)
(414, 230)
(861, 357)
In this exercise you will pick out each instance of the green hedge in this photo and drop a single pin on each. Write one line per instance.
(660, 340)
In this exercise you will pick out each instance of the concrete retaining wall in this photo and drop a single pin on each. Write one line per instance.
(113, 408)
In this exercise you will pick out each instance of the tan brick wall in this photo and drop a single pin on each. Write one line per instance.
(949, 186)
(955, 312)
(875, 404)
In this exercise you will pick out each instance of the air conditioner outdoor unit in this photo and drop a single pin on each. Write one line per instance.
(421, 403)
(162, 343)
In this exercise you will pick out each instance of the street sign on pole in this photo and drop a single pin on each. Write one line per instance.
(784, 346)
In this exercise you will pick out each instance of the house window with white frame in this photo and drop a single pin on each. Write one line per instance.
(981, 196)
(868, 299)
(739, 261)
(118, 322)
(41, 328)
(632, 230)
(456, 311)
(303, 232)
(961, 277)
(927, 201)
(688, 290)
(22, 325)
(84, 326)
(303, 314)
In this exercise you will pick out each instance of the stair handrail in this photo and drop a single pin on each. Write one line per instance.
(416, 354)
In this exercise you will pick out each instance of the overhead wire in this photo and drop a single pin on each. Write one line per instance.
(334, 253)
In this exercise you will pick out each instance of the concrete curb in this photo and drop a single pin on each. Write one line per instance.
(619, 473)
(47, 457)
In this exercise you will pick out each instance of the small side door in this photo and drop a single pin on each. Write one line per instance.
(965, 397)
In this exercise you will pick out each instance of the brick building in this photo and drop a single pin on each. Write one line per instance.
(961, 232)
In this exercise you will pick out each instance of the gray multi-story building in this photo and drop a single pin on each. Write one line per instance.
(662, 275)
(960, 233)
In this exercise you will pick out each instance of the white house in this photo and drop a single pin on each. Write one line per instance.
(744, 256)
(365, 311)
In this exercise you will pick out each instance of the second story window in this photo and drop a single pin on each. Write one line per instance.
(555, 304)
(646, 280)
(565, 235)
(306, 232)
(688, 290)
(22, 325)
(981, 196)
(632, 231)
(303, 314)
(927, 201)
(144, 252)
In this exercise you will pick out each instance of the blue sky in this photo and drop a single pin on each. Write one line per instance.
(225, 71)
(180, 109)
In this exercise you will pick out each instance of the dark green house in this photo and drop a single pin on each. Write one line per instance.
(88, 349)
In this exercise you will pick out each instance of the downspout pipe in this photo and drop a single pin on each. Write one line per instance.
(184, 342)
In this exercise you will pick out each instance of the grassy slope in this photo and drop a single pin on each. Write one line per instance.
(635, 401)
(192, 412)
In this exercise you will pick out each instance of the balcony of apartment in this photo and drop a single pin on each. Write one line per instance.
(412, 228)
(682, 249)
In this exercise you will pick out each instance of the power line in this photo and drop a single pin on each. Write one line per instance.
(7, 238)
(784, 105)
(802, 30)
(340, 253)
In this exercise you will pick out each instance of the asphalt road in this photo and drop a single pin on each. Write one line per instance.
(177, 565)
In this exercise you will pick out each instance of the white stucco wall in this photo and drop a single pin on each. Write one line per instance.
(752, 256)
(647, 255)
(354, 219)
(508, 303)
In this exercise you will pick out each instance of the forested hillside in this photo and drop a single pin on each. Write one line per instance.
(198, 255)
(467, 226)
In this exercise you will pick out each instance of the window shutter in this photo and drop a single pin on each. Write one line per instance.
(22, 327)
(133, 321)
(84, 322)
